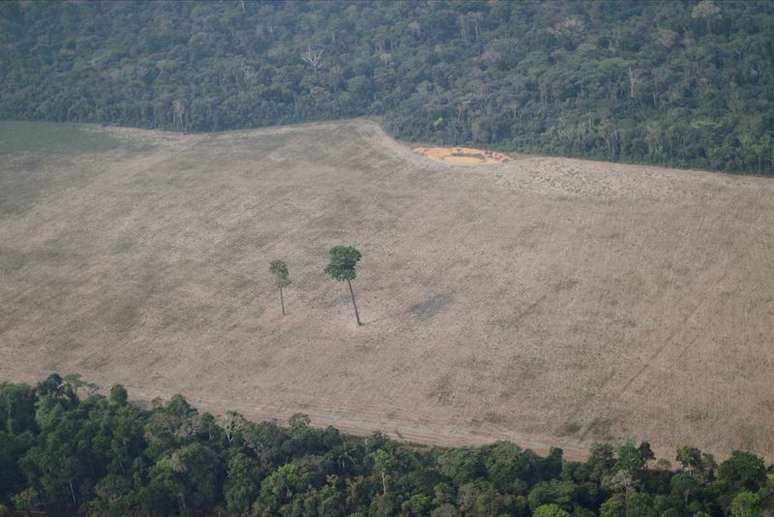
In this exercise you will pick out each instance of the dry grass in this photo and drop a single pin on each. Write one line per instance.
(545, 300)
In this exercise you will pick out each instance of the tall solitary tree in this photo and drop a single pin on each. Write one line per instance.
(279, 269)
(342, 267)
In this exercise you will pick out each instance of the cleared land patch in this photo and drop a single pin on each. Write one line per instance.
(462, 155)
(549, 301)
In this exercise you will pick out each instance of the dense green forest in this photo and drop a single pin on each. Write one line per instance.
(683, 83)
(61, 454)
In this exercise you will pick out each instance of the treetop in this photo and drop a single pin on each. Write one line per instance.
(343, 261)
(279, 269)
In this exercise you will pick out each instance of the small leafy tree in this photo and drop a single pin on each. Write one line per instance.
(700, 465)
(118, 395)
(743, 471)
(550, 510)
(341, 267)
(279, 488)
(279, 269)
(746, 504)
(629, 468)
(242, 484)
(384, 462)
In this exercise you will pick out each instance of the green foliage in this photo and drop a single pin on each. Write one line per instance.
(105, 457)
(561, 493)
(12, 448)
(507, 464)
(383, 460)
(279, 270)
(463, 465)
(279, 488)
(640, 505)
(550, 510)
(118, 395)
(686, 84)
(630, 458)
(743, 470)
(698, 464)
(242, 483)
(615, 506)
(343, 260)
(17, 408)
(746, 504)
(601, 460)
(281, 279)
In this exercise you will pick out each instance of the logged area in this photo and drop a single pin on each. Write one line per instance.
(545, 300)
(462, 155)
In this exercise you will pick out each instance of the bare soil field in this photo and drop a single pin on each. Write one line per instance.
(548, 301)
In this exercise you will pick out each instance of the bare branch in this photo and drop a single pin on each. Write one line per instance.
(313, 57)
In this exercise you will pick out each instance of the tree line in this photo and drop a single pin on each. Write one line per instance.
(67, 450)
(685, 83)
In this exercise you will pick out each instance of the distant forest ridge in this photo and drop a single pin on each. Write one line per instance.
(682, 83)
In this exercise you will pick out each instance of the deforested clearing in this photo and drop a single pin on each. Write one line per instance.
(549, 301)
(462, 155)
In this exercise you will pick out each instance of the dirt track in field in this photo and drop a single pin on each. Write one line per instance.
(549, 301)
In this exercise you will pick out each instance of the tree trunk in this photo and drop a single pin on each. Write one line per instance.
(352, 293)
(282, 301)
(384, 483)
(72, 493)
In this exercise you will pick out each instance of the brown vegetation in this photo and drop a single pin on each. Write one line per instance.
(549, 301)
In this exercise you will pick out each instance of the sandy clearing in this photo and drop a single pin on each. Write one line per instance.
(462, 155)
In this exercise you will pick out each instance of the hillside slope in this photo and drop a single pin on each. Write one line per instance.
(550, 301)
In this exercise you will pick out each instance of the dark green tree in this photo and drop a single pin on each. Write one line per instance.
(118, 395)
(743, 471)
(550, 510)
(192, 475)
(384, 462)
(278, 489)
(242, 484)
(279, 269)
(17, 408)
(343, 261)
(700, 465)
(746, 504)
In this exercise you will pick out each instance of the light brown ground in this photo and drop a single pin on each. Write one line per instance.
(462, 155)
(549, 301)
